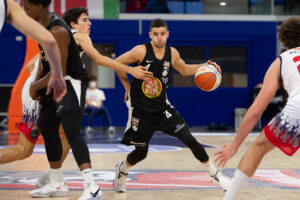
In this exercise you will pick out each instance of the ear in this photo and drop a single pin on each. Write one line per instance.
(73, 24)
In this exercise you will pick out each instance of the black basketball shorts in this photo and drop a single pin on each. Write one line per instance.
(141, 125)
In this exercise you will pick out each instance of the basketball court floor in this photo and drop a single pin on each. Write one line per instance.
(170, 172)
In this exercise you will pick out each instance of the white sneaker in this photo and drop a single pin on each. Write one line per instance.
(53, 189)
(89, 130)
(221, 180)
(119, 182)
(88, 195)
(43, 180)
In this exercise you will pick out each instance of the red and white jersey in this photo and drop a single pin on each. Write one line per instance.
(290, 73)
(3, 12)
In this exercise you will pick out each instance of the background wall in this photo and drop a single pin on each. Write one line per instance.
(197, 107)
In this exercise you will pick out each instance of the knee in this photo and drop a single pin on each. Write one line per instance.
(261, 145)
(137, 156)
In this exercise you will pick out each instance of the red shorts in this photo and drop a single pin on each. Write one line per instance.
(30, 133)
(284, 133)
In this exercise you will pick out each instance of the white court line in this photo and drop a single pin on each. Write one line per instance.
(220, 134)
(154, 184)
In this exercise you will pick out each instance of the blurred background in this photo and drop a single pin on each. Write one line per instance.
(240, 35)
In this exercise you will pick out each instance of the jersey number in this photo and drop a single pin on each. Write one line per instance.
(296, 59)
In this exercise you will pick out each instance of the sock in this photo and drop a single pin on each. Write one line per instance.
(56, 175)
(212, 170)
(124, 168)
(238, 181)
(89, 180)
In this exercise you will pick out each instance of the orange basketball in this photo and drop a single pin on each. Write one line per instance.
(207, 78)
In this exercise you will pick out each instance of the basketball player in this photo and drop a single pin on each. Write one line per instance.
(283, 130)
(68, 112)
(11, 12)
(29, 125)
(78, 21)
(149, 108)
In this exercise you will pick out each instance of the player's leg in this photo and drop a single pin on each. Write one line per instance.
(49, 125)
(45, 178)
(140, 129)
(20, 151)
(248, 165)
(173, 124)
(123, 167)
(71, 121)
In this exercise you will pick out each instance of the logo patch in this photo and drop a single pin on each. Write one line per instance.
(152, 88)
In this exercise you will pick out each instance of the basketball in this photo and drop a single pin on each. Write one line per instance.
(208, 78)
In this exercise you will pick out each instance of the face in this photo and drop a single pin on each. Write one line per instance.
(93, 84)
(159, 36)
(32, 10)
(83, 24)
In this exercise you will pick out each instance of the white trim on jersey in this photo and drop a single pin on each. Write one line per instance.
(3, 11)
(130, 110)
(76, 85)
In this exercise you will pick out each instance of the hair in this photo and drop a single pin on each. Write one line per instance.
(156, 23)
(73, 14)
(93, 78)
(289, 32)
(44, 3)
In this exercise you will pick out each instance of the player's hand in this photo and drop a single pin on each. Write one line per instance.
(215, 65)
(227, 151)
(33, 92)
(141, 72)
(58, 85)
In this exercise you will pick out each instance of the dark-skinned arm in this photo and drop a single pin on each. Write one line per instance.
(62, 38)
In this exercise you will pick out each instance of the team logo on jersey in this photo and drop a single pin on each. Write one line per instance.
(166, 68)
(135, 123)
(152, 88)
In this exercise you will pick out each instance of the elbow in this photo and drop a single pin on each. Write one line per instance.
(49, 41)
(257, 113)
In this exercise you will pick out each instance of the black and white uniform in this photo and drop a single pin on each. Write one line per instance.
(3, 13)
(150, 110)
(69, 110)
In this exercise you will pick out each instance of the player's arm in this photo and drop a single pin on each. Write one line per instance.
(270, 85)
(86, 44)
(30, 65)
(18, 18)
(135, 55)
(187, 69)
(62, 38)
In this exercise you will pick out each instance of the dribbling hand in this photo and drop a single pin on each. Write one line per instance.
(215, 65)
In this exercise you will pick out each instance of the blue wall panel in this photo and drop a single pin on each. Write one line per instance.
(197, 107)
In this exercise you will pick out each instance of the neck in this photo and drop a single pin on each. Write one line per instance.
(45, 18)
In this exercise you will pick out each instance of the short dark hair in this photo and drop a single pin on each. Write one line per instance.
(156, 23)
(289, 32)
(44, 3)
(73, 14)
(93, 78)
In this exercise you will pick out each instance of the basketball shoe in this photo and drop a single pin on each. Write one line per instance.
(119, 182)
(53, 189)
(43, 180)
(221, 180)
(88, 195)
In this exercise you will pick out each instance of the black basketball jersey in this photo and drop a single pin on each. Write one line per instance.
(151, 95)
(74, 67)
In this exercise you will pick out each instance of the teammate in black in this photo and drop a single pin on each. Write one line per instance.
(68, 112)
(149, 108)
(11, 12)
